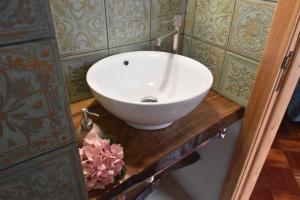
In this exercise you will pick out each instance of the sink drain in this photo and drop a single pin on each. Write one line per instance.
(149, 99)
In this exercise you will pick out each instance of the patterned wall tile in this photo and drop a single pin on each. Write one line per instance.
(211, 56)
(167, 45)
(186, 46)
(212, 21)
(238, 76)
(18, 22)
(144, 46)
(75, 69)
(80, 25)
(189, 17)
(56, 175)
(128, 21)
(34, 114)
(162, 11)
(251, 26)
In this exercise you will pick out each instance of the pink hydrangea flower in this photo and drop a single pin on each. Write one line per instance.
(101, 162)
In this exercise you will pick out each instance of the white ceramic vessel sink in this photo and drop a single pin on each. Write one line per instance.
(148, 89)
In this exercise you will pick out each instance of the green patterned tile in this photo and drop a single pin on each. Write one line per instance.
(238, 76)
(35, 116)
(75, 69)
(144, 46)
(167, 45)
(212, 21)
(211, 56)
(56, 175)
(186, 46)
(22, 21)
(189, 17)
(128, 21)
(251, 26)
(80, 25)
(162, 11)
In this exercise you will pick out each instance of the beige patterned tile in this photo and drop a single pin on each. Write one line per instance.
(251, 26)
(238, 76)
(211, 56)
(189, 17)
(162, 11)
(80, 25)
(212, 21)
(75, 69)
(128, 21)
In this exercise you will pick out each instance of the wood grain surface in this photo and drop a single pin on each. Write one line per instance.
(149, 152)
(280, 176)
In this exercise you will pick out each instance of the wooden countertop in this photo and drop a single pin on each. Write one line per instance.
(149, 152)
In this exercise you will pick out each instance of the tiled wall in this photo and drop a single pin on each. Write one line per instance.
(88, 30)
(228, 36)
(39, 158)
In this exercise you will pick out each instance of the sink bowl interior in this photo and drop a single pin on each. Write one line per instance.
(146, 79)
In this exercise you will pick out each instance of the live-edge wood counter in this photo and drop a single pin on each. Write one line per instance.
(149, 152)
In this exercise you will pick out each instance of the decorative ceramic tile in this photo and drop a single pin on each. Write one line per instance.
(163, 11)
(189, 17)
(212, 21)
(75, 69)
(251, 26)
(167, 45)
(186, 47)
(238, 76)
(144, 46)
(211, 56)
(34, 112)
(80, 25)
(24, 20)
(56, 175)
(128, 21)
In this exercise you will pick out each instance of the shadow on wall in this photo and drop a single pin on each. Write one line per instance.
(204, 179)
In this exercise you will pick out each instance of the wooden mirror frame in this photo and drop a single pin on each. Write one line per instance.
(271, 94)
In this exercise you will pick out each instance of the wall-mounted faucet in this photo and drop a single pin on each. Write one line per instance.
(175, 33)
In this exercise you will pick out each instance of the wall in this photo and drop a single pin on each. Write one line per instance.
(204, 179)
(228, 36)
(39, 158)
(88, 30)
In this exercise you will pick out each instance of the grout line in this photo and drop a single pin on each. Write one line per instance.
(198, 39)
(192, 28)
(32, 40)
(231, 23)
(222, 67)
(194, 16)
(150, 20)
(67, 56)
(41, 154)
(106, 24)
(183, 15)
(131, 44)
